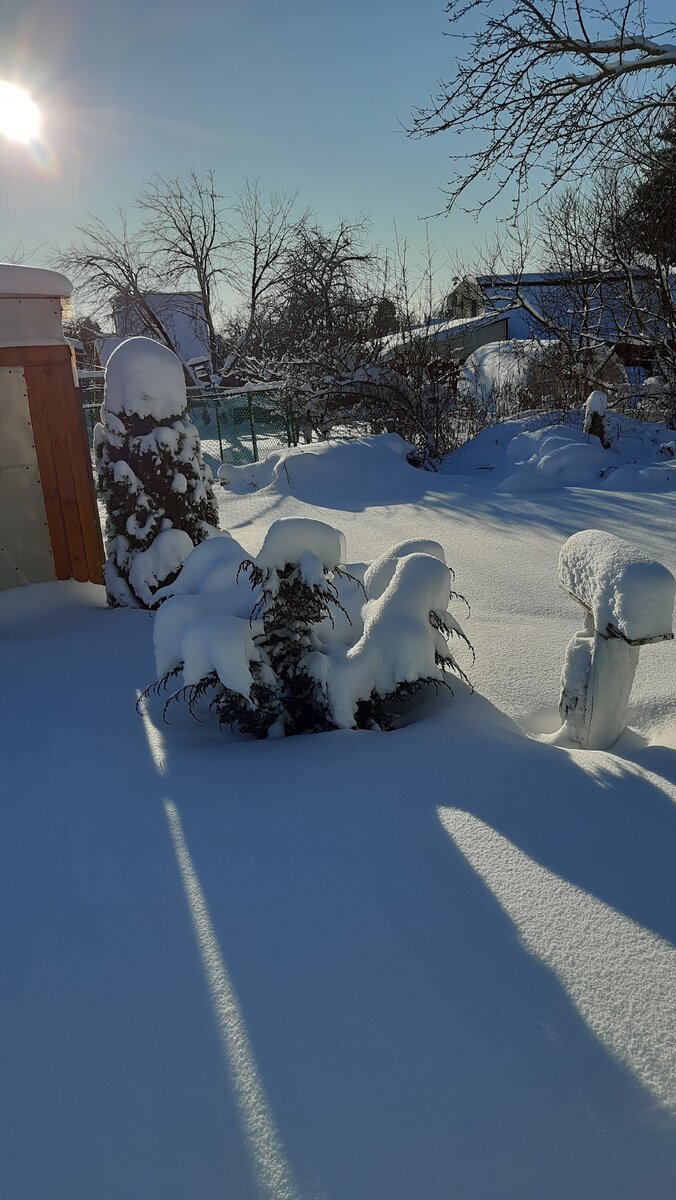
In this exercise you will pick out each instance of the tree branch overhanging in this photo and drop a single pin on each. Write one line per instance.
(546, 86)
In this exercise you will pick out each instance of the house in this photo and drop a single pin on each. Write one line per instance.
(602, 307)
(454, 339)
(179, 315)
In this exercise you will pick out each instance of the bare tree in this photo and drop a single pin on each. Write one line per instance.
(316, 324)
(109, 267)
(549, 84)
(399, 383)
(186, 232)
(263, 232)
(187, 236)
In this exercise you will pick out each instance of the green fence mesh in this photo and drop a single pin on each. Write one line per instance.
(234, 427)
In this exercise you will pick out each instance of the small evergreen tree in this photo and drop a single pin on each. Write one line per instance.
(152, 477)
(289, 669)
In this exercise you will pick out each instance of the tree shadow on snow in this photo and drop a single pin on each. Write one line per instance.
(375, 901)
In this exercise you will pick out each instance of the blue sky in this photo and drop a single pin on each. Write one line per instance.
(300, 94)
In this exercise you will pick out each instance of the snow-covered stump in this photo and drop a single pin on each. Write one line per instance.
(595, 410)
(628, 600)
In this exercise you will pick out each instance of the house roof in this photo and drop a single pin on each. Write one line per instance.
(564, 301)
(438, 329)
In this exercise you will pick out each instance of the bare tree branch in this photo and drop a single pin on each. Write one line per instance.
(546, 86)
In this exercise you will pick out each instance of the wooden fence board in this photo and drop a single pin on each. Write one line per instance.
(63, 458)
(57, 410)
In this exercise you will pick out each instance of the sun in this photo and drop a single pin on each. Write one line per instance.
(20, 117)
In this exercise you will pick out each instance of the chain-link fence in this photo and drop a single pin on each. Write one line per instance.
(234, 427)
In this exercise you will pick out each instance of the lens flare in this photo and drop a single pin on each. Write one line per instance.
(20, 118)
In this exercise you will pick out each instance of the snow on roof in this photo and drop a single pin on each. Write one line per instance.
(437, 330)
(18, 280)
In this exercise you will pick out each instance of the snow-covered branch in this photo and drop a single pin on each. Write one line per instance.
(546, 84)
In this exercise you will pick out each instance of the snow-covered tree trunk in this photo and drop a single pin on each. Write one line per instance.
(157, 490)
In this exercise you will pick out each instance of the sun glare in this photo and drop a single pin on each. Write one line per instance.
(19, 115)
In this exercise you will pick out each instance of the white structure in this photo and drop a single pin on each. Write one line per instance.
(628, 600)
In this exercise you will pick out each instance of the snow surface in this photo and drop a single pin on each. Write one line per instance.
(435, 962)
(16, 280)
(530, 454)
(619, 583)
(145, 378)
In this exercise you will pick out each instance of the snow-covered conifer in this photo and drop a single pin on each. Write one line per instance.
(156, 487)
(302, 662)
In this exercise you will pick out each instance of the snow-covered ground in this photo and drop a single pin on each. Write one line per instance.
(431, 963)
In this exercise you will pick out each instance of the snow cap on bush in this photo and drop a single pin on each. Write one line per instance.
(379, 574)
(399, 644)
(146, 379)
(291, 540)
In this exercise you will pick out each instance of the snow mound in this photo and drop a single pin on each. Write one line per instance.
(222, 644)
(501, 367)
(210, 567)
(164, 557)
(539, 452)
(342, 474)
(618, 583)
(146, 379)
(210, 584)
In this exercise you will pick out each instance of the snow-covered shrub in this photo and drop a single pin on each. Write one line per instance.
(404, 645)
(321, 649)
(502, 379)
(157, 490)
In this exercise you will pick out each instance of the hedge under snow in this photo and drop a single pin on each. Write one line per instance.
(294, 640)
(157, 490)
